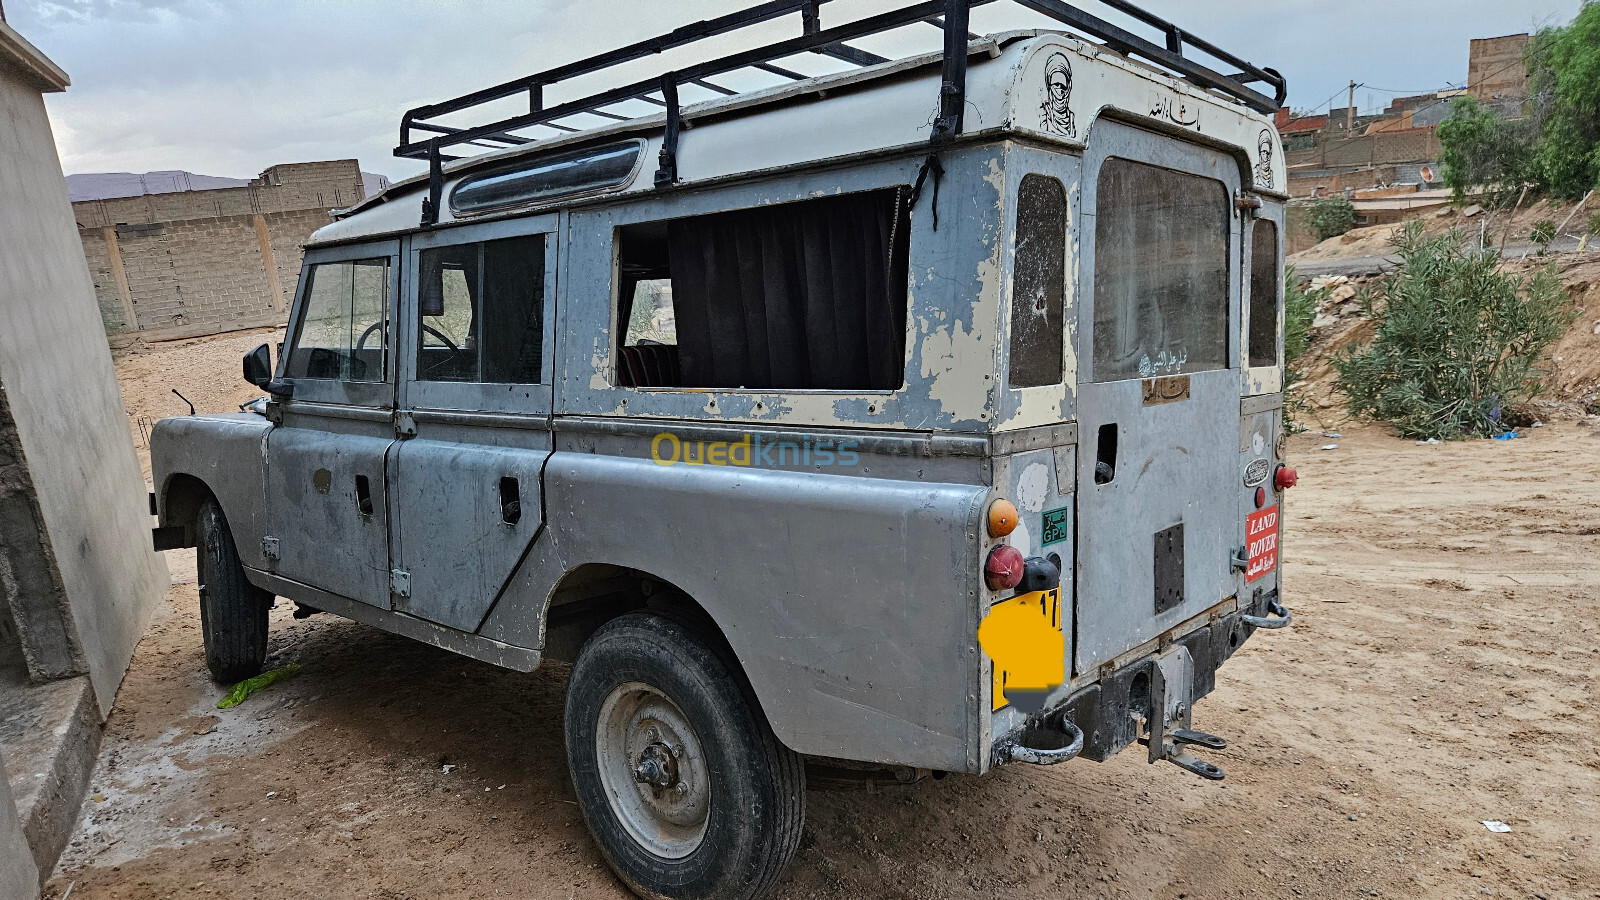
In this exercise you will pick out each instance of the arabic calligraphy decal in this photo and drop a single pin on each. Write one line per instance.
(1175, 109)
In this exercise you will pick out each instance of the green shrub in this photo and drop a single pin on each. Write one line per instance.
(1544, 231)
(1331, 217)
(1299, 309)
(1456, 342)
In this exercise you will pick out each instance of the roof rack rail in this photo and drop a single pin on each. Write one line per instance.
(951, 16)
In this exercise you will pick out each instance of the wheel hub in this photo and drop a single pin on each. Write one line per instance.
(658, 767)
(654, 770)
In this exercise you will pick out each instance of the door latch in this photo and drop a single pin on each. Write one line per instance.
(400, 583)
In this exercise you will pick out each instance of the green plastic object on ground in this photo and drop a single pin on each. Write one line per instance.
(250, 685)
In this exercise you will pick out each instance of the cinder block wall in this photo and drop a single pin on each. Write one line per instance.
(201, 262)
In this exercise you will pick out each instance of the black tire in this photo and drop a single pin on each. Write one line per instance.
(233, 612)
(754, 786)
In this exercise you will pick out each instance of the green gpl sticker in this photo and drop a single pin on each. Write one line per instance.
(1055, 526)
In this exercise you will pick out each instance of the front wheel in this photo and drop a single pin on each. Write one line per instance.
(686, 790)
(233, 612)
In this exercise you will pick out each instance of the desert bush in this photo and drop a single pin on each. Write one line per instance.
(1457, 340)
(1331, 217)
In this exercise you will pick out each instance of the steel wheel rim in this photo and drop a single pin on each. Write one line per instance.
(653, 770)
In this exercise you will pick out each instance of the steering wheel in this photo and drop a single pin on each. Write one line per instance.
(440, 335)
(361, 342)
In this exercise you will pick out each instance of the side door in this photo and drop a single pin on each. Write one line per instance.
(326, 497)
(1158, 388)
(478, 329)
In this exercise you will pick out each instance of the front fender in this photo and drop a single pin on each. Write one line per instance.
(221, 455)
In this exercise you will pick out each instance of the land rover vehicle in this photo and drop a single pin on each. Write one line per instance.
(758, 406)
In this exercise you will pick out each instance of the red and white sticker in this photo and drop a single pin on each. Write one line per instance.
(1261, 542)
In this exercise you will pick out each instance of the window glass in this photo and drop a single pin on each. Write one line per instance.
(1264, 294)
(809, 295)
(344, 334)
(652, 321)
(481, 310)
(1038, 285)
(1160, 273)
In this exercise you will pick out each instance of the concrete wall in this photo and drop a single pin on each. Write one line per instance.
(19, 877)
(91, 523)
(202, 262)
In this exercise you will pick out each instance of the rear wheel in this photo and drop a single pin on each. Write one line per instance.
(233, 612)
(679, 778)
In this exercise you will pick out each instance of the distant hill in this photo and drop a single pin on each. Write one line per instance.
(110, 185)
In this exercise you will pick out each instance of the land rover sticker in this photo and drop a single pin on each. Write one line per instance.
(1255, 474)
(1261, 543)
(1055, 526)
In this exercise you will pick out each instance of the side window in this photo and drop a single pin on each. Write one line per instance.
(1038, 284)
(344, 327)
(1264, 294)
(1160, 273)
(794, 296)
(481, 311)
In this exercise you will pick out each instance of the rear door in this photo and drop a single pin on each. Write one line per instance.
(1158, 388)
(478, 325)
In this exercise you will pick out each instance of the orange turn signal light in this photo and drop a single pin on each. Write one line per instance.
(1002, 518)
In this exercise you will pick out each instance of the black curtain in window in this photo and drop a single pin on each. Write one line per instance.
(808, 295)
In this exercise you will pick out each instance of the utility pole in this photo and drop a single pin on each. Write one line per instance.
(1350, 110)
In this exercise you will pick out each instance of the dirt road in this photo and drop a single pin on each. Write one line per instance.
(1441, 671)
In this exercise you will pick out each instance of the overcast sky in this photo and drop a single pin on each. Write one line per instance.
(230, 87)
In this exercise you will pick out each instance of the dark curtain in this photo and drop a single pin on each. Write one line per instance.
(808, 295)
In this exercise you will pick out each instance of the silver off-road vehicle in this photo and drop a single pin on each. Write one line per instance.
(921, 417)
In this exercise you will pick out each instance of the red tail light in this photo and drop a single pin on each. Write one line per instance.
(1286, 478)
(1003, 570)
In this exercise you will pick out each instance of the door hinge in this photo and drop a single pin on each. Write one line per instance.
(405, 425)
(269, 548)
(400, 583)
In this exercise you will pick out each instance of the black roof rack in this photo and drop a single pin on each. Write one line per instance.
(951, 16)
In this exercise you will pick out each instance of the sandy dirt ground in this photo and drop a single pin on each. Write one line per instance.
(1441, 671)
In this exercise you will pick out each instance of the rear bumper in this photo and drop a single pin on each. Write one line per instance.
(1110, 711)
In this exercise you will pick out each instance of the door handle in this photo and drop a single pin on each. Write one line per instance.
(1105, 457)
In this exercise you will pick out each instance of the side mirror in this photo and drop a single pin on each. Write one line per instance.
(258, 366)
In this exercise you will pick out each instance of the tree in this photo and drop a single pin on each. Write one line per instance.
(1331, 217)
(1564, 80)
(1480, 149)
(1457, 341)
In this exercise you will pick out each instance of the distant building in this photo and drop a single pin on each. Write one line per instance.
(1399, 146)
(1496, 74)
(185, 263)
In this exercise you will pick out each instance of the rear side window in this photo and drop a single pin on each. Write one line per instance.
(481, 311)
(1160, 273)
(1264, 293)
(1038, 284)
(344, 333)
(796, 296)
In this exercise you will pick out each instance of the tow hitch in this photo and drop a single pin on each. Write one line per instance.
(1171, 708)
